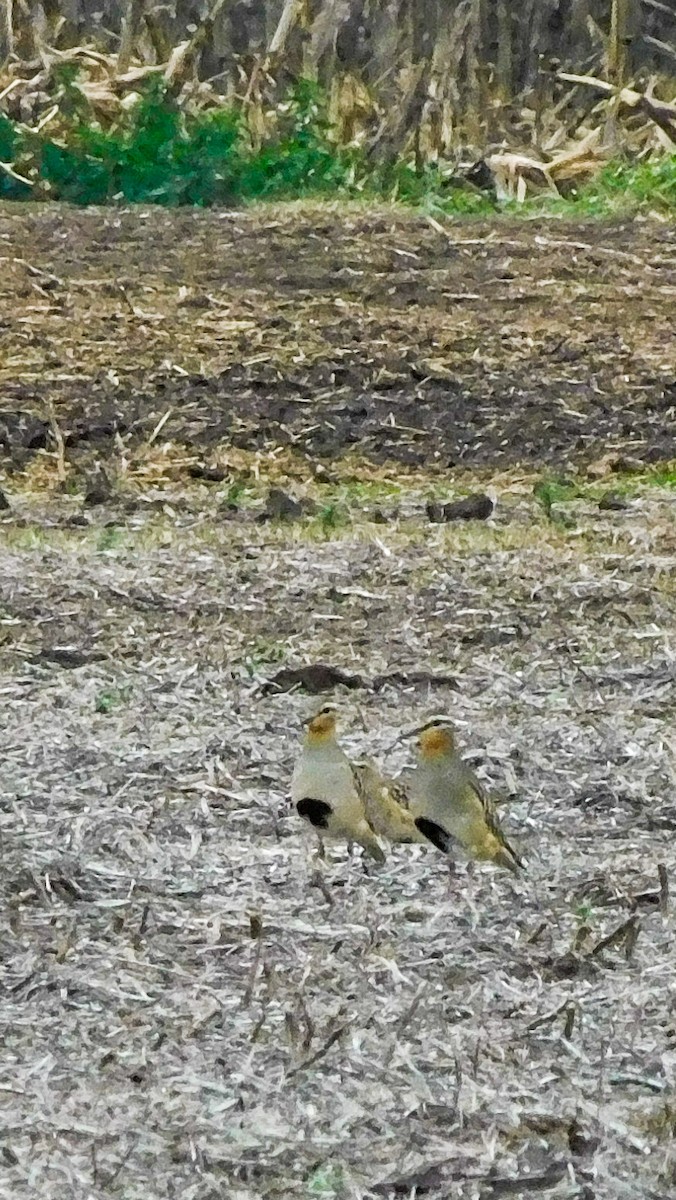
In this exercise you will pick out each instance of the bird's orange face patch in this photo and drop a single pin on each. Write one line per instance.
(435, 741)
(322, 726)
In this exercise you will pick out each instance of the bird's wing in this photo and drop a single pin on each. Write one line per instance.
(474, 788)
(398, 791)
(403, 787)
(419, 825)
(382, 800)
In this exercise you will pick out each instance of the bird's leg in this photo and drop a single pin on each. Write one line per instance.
(452, 876)
(317, 880)
(350, 850)
(318, 869)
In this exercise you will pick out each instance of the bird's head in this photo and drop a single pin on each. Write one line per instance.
(435, 738)
(322, 726)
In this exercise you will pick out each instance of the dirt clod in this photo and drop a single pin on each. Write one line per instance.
(282, 507)
(314, 679)
(613, 502)
(99, 489)
(472, 508)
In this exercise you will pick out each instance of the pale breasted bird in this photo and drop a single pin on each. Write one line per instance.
(326, 790)
(385, 804)
(448, 803)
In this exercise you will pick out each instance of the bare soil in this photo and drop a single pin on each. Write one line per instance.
(477, 344)
(192, 1005)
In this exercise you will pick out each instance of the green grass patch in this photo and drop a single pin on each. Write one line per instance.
(550, 492)
(623, 187)
(664, 477)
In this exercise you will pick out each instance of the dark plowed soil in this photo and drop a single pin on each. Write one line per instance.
(487, 345)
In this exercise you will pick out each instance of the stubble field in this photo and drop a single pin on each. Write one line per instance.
(192, 1005)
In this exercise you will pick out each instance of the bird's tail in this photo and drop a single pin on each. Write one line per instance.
(366, 838)
(506, 856)
(491, 848)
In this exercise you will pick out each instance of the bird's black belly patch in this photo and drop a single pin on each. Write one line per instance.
(317, 812)
(434, 833)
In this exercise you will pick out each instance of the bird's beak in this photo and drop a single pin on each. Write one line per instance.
(409, 733)
(404, 736)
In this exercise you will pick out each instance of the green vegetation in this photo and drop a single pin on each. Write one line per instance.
(236, 495)
(625, 186)
(332, 516)
(110, 699)
(326, 1180)
(549, 492)
(162, 155)
(110, 538)
(158, 153)
(584, 912)
(664, 477)
(261, 653)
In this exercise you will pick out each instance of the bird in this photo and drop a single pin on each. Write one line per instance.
(448, 803)
(327, 791)
(385, 803)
